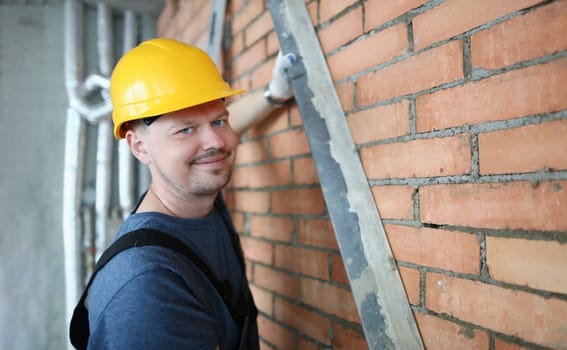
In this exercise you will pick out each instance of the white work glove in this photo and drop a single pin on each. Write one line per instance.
(280, 87)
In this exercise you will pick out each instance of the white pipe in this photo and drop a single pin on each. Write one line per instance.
(88, 235)
(126, 161)
(103, 178)
(95, 81)
(74, 148)
(74, 65)
(104, 140)
(92, 114)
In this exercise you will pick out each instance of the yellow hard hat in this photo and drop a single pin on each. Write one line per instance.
(161, 76)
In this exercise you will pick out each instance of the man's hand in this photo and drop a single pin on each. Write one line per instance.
(253, 108)
(280, 87)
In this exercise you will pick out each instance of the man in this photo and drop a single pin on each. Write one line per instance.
(168, 100)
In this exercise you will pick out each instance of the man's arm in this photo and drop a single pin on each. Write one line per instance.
(249, 110)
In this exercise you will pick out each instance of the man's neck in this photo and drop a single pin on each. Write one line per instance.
(162, 201)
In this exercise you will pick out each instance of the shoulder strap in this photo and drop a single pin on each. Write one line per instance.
(79, 328)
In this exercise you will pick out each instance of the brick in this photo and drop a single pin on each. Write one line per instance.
(345, 92)
(343, 30)
(258, 202)
(295, 116)
(251, 10)
(277, 121)
(289, 143)
(264, 300)
(329, 299)
(411, 279)
(447, 250)
(330, 8)
(249, 270)
(304, 344)
(180, 24)
(305, 261)
(165, 17)
(262, 75)
(312, 8)
(276, 281)
(242, 82)
(384, 46)
(419, 158)
(500, 344)
(338, 271)
(525, 149)
(536, 264)
(532, 90)
(347, 338)
(534, 318)
(169, 30)
(310, 323)
(228, 196)
(379, 123)
(258, 28)
(233, 6)
(248, 59)
(272, 43)
(238, 221)
(265, 175)
(250, 152)
(455, 17)
(265, 346)
(257, 250)
(236, 47)
(200, 41)
(379, 12)
(437, 333)
(275, 333)
(426, 70)
(304, 172)
(316, 232)
(394, 202)
(298, 201)
(187, 11)
(512, 205)
(192, 22)
(522, 38)
(273, 228)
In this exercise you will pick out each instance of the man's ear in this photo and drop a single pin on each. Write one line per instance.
(136, 145)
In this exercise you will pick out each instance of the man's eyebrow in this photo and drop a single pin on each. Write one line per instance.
(221, 114)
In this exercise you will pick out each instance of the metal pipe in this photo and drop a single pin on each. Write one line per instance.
(104, 137)
(96, 81)
(73, 162)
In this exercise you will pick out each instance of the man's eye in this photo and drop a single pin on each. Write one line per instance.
(219, 123)
(186, 131)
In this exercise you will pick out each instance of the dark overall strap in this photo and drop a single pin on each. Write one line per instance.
(79, 328)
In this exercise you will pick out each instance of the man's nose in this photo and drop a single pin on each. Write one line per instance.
(212, 138)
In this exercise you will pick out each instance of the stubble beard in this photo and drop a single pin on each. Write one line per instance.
(198, 187)
(201, 188)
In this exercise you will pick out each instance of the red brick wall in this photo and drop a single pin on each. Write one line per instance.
(459, 111)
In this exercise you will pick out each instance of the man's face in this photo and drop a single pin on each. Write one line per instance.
(191, 151)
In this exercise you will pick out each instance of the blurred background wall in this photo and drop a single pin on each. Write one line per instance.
(32, 124)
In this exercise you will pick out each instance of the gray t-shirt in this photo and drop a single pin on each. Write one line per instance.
(154, 298)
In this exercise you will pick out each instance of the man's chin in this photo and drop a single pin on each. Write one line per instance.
(214, 186)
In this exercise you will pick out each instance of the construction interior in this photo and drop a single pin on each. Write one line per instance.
(413, 196)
